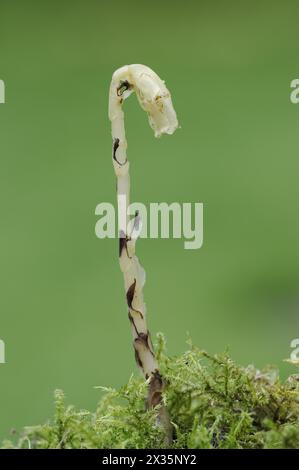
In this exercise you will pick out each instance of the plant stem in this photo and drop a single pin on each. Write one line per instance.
(155, 99)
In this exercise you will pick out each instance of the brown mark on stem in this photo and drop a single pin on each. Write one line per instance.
(155, 390)
(123, 243)
(123, 86)
(138, 360)
(115, 147)
(155, 398)
(143, 338)
(133, 323)
(130, 297)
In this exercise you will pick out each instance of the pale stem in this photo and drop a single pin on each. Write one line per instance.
(155, 99)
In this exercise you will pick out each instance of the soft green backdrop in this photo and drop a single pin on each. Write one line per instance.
(229, 66)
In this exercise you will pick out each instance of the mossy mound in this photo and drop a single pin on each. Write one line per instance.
(213, 403)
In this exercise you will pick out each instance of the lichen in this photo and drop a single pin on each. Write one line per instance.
(213, 403)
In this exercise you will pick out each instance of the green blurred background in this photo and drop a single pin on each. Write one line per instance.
(229, 66)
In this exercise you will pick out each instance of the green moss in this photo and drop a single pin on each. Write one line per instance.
(213, 403)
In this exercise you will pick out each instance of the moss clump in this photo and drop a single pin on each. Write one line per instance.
(213, 403)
